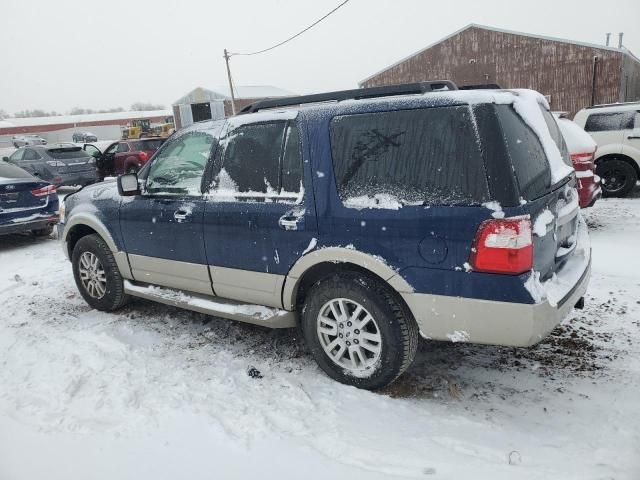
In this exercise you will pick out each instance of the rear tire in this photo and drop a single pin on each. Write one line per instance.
(97, 275)
(618, 178)
(350, 311)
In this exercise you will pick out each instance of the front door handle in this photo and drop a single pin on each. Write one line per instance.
(181, 215)
(291, 222)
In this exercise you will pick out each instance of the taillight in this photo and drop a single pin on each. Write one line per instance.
(582, 161)
(44, 191)
(143, 156)
(503, 245)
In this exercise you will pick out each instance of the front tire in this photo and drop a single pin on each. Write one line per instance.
(618, 178)
(97, 275)
(358, 331)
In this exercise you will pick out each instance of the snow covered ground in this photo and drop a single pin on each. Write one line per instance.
(157, 393)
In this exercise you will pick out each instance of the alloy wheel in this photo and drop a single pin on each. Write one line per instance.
(92, 275)
(349, 335)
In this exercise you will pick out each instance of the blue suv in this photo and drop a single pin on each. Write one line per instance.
(368, 218)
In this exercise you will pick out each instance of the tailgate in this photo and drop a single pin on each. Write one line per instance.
(555, 219)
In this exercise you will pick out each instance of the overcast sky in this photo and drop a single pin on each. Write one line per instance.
(56, 55)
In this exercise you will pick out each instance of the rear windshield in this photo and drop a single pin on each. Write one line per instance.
(67, 153)
(527, 155)
(428, 156)
(146, 145)
(8, 170)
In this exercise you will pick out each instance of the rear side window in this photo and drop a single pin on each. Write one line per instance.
(11, 171)
(606, 122)
(557, 136)
(428, 156)
(528, 159)
(68, 153)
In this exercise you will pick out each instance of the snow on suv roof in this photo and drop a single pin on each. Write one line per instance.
(614, 107)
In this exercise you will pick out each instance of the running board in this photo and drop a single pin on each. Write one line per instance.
(243, 312)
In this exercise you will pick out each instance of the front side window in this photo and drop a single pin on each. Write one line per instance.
(178, 168)
(260, 161)
(607, 122)
(30, 154)
(427, 156)
(112, 149)
(17, 155)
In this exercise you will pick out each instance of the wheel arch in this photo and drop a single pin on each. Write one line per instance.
(327, 261)
(84, 224)
(619, 156)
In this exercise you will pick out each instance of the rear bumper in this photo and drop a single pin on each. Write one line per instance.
(507, 323)
(491, 322)
(19, 227)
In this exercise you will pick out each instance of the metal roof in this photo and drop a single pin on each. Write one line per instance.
(510, 32)
(222, 92)
(85, 118)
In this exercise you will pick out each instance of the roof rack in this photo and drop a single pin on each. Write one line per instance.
(355, 94)
(618, 104)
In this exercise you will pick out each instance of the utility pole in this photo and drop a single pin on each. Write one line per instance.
(233, 98)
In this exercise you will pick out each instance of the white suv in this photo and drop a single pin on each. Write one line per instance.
(616, 130)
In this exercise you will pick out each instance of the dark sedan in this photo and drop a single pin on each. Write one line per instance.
(84, 137)
(60, 164)
(27, 204)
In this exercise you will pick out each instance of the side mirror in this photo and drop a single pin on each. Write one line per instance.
(6, 159)
(128, 185)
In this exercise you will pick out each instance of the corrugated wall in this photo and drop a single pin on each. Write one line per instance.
(630, 80)
(563, 71)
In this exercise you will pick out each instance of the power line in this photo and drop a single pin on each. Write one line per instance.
(294, 36)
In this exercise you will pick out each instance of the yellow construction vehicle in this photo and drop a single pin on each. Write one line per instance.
(164, 129)
(138, 128)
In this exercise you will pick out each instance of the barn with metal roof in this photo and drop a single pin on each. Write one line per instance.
(571, 74)
(204, 104)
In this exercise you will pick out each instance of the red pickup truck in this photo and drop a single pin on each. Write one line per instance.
(124, 156)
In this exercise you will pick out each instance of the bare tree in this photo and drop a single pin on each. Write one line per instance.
(35, 113)
(145, 106)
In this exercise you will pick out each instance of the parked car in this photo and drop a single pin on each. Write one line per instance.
(582, 149)
(59, 164)
(84, 137)
(367, 217)
(27, 204)
(24, 140)
(123, 156)
(616, 130)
